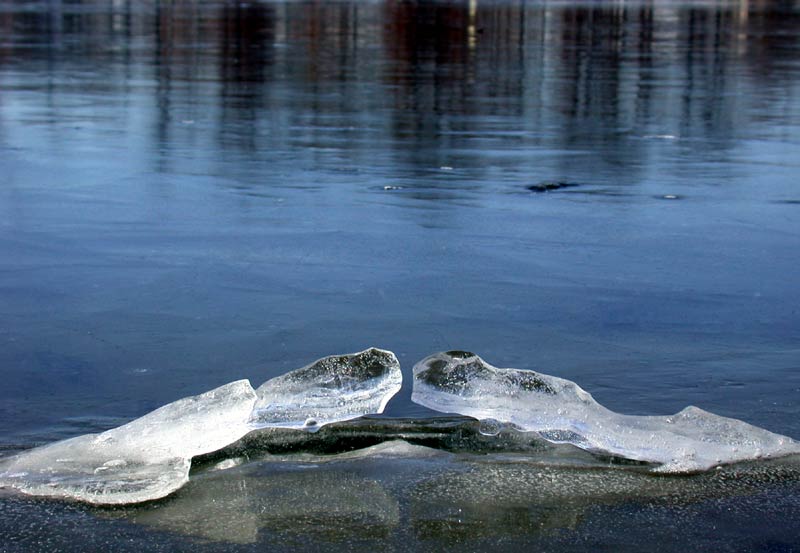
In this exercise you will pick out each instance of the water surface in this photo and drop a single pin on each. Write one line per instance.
(196, 192)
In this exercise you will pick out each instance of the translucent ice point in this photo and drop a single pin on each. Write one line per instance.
(561, 412)
(332, 389)
(146, 459)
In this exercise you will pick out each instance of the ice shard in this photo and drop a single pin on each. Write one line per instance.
(146, 459)
(561, 412)
(332, 389)
(150, 457)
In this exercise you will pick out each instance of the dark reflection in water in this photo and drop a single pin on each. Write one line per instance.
(445, 79)
(405, 498)
(466, 84)
(245, 64)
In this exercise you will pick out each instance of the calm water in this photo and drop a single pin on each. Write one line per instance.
(196, 192)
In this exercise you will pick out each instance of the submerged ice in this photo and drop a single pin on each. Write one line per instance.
(562, 412)
(150, 457)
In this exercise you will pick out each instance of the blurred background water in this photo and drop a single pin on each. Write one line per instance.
(196, 192)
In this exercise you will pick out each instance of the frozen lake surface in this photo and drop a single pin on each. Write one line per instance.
(197, 192)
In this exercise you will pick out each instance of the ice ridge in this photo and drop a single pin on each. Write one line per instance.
(150, 457)
(562, 412)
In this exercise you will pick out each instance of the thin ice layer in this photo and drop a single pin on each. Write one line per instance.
(332, 389)
(145, 459)
(561, 412)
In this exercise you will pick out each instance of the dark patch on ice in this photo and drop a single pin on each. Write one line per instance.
(463, 369)
(459, 354)
(550, 186)
(453, 434)
(371, 363)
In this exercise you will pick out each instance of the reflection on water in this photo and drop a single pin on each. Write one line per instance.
(293, 490)
(403, 496)
(300, 505)
(244, 87)
(426, 505)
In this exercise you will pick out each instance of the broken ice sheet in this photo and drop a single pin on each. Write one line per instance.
(146, 459)
(332, 389)
(561, 412)
(150, 457)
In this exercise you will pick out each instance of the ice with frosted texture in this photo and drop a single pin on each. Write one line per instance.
(150, 457)
(146, 459)
(335, 388)
(560, 411)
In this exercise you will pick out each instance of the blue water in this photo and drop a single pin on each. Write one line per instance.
(196, 192)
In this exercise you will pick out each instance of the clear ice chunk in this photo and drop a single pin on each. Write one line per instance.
(146, 459)
(562, 412)
(150, 457)
(332, 389)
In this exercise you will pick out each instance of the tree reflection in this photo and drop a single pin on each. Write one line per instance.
(465, 83)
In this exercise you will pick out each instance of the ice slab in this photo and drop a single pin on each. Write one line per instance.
(145, 459)
(561, 412)
(150, 457)
(332, 389)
